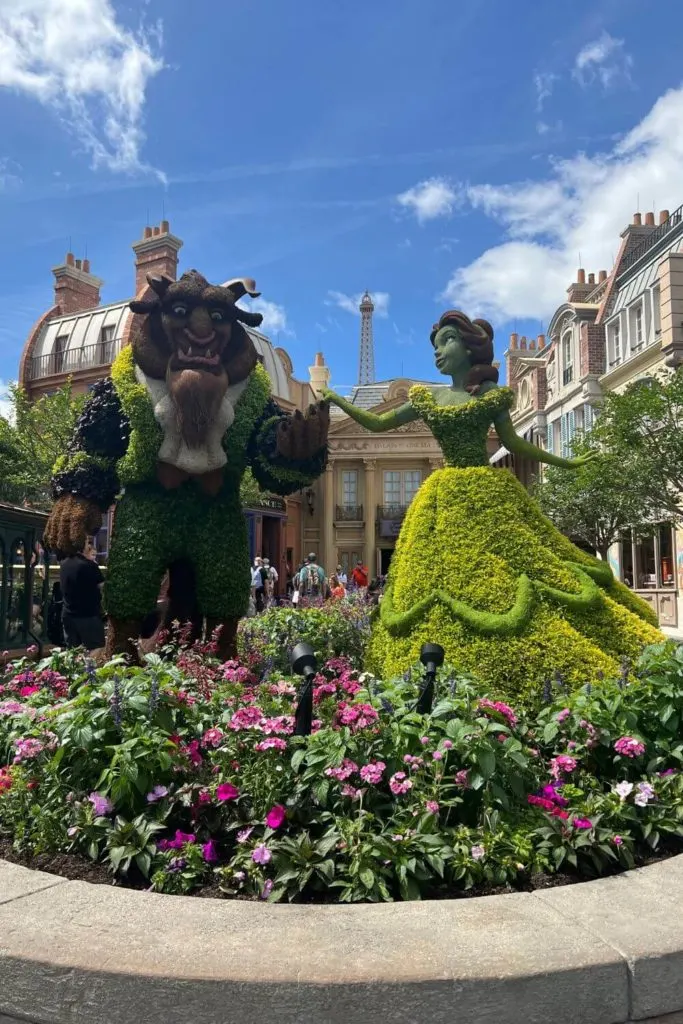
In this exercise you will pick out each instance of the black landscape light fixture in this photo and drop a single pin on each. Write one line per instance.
(303, 662)
(431, 656)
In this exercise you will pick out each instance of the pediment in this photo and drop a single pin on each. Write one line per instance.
(345, 426)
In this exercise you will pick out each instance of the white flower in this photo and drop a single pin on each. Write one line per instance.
(624, 789)
(640, 799)
(477, 852)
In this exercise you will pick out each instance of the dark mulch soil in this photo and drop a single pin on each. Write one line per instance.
(76, 868)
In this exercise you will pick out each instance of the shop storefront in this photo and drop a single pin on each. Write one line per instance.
(647, 565)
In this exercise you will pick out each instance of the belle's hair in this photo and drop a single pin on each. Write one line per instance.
(477, 336)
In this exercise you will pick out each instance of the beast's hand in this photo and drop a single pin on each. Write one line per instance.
(301, 437)
(71, 521)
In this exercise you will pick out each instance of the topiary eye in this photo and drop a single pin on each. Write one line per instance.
(217, 316)
(179, 310)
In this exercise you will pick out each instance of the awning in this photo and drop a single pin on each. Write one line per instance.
(498, 456)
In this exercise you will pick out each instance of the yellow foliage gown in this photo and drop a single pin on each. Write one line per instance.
(480, 570)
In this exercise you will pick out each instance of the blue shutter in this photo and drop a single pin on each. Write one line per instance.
(587, 417)
(550, 437)
(571, 430)
(563, 435)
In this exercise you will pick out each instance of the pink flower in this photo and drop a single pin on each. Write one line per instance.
(101, 804)
(209, 852)
(283, 689)
(246, 718)
(158, 793)
(282, 725)
(226, 791)
(462, 778)
(398, 783)
(275, 816)
(503, 709)
(477, 852)
(272, 743)
(345, 769)
(11, 707)
(26, 749)
(432, 806)
(628, 746)
(261, 854)
(5, 780)
(424, 740)
(243, 836)
(28, 691)
(212, 737)
(357, 716)
(563, 715)
(181, 839)
(617, 840)
(540, 801)
(204, 797)
(437, 755)
(501, 737)
(447, 744)
(351, 791)
(582, 823)
(562, 765)
(414, 762)
(373, 772)
(192, 752)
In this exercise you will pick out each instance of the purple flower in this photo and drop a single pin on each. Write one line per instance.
(261, 854)
(267, 889)
(563, 715)
(158, 793)
(644, 795)
(101, 804)
(623, 789)
(209, 852)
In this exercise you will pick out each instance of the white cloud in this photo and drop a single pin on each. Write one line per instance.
(581, 206)
(350, 303)
(75, 58)
(9, 178)
(604, 60)
(6, 404)
(544, 83)
(429, 199)
(274, 316)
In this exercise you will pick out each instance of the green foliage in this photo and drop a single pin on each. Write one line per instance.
(644, 425)
(187, 773)
(601, 499)
(31, 440)
(522, 601)
(333, 629)
(461, 430)
(139, 462)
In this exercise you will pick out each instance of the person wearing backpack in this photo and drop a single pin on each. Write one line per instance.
(312, 579)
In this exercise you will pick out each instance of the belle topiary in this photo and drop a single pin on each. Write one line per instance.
(477, 566)
(187, 410)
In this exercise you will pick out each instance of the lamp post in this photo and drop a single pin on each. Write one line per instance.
(431, 656)
(304, 664)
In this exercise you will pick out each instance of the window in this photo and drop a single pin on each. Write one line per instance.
(638, 337)
(657, 309)
(400, 488)
(567, 432)
(567, 362)
(588, 417)
(350, 488)
(58, 353)
(615, 344)
(105, 347)
(647, 559)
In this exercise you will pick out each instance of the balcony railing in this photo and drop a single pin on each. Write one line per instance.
(349, 513)
(395, 512)
(659, 232)
(71, 360)
(567, 375)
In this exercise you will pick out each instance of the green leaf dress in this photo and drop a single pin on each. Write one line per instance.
(480, 570)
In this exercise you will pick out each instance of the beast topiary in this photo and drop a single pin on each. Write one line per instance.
(477, 566)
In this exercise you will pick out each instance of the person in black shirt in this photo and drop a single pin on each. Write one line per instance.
(81, 582)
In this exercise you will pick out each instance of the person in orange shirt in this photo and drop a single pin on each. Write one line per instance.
(337, 588)
(360, 575)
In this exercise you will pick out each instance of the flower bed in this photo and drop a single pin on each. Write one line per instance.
(184, 775)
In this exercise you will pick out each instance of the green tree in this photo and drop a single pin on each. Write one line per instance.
(595, 503)
(645, 424)
(31, 439)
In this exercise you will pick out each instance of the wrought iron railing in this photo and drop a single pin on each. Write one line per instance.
(655, 236)
(395, 512)
(349, 513)
(71, 360)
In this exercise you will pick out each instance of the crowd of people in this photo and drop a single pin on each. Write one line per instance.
(310, 584)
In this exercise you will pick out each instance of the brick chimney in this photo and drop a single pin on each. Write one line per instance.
(76, 289)
(579, 289)
(157, 254)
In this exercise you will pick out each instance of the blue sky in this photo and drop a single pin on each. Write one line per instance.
(437, 153)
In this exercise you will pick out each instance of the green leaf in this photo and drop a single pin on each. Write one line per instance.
(297, 758)
(486, 760)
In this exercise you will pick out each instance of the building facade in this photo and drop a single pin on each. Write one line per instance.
(613, 329)
(78, 337)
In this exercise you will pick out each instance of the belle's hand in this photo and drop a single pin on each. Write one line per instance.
(583, 460)
(327, 396)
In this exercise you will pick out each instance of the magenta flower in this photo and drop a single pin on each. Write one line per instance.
(28, 691)
(177, 843)
(582, 823)
(246, 718)
(261, 854)
(373, 772)
(503, 709)
(424, 740)
(447, 744)
(272, 743)
(212, 737)
(101, 804)
(358, 716)
(617, 840)
(562, 765)
(432, 806)
(437, 755)
(628, 746)
(226, 791)
(276, 815)
(462, 778)
(209, 852)
(398, 783)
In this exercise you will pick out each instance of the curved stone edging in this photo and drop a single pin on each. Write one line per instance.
(603, 952)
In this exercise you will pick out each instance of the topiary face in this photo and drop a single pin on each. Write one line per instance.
(450, 354)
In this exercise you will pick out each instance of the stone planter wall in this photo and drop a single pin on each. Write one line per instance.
(606, 952)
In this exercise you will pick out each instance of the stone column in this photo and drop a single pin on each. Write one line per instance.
(435, 462)
(329, 554)
(369, 513)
